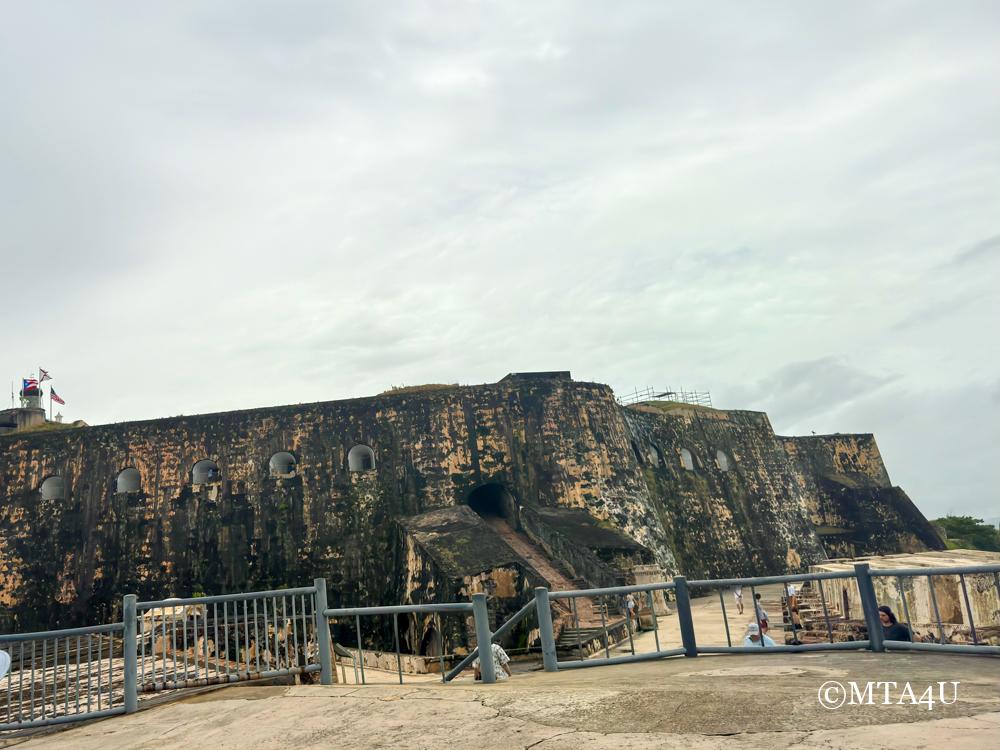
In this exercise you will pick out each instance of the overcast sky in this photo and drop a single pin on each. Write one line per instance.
(796, 206)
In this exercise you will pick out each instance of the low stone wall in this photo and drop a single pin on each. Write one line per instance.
(580, 561)
(410, 663)
(649, 574)
(915, 591)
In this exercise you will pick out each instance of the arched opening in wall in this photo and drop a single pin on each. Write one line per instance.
(403, 626)
(493, 500)
(657, 455)
(281, 464)
(205, 471)
(722, 460)
(638, 453)
(361, 458)
(128, 480)
(687, 460)
(430, 645)
(54, 488)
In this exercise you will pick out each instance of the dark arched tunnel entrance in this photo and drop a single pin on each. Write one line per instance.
(494, 501)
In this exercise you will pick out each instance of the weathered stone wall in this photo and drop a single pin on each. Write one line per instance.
(550, 441)
(739, 513)
(851, 500)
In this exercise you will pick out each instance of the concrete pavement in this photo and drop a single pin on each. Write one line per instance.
(766, 701)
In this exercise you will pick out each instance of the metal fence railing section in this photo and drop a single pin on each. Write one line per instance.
(167, 645)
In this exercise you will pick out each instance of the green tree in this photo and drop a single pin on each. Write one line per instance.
(969, 533)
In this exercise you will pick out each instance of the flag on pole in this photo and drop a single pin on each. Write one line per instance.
(55, 396)
(43, 375)
(28, 385)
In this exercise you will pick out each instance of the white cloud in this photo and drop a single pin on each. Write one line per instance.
(219, 207)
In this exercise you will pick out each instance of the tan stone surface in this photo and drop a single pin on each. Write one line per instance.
(712, 702)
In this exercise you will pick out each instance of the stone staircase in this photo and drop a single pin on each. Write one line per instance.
(554, 578)
(813, 628)
(585, 634)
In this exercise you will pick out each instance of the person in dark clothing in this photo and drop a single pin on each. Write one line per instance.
(892, 629)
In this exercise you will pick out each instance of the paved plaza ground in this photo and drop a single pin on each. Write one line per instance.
(767, 701)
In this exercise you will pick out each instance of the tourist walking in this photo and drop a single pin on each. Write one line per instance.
(792, 593)
(761, 613)
(632, 611)
(738, 596)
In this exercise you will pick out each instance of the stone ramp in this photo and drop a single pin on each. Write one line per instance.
(540, 561)
(695, 704)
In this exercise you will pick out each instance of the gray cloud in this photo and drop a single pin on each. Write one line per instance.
(988, 249)
(225, 206)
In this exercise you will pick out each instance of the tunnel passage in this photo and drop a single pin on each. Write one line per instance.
(494, 501)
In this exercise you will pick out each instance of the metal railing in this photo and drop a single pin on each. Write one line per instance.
(788, 614)
(649, 393)
(989, 577)
(62, 676)
(477, 608)
(84, 673)
(862, 576)
(503, 630)
(649, 589)
(229, 638)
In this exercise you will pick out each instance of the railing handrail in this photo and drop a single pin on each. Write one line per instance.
(499, 633)
(397, 609)
(939, 571)
(320, 614)
(114, 627)
(765, 580)
(636, 588)
(219, 598)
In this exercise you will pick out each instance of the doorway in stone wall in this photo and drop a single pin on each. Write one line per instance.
(494, 501)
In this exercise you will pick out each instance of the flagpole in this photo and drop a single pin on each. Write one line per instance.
(50, 403)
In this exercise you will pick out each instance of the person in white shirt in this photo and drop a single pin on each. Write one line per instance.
(500, 661)
(738, 596)
(633, 611)
(4, 663)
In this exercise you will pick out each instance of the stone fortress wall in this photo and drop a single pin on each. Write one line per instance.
(413, 495)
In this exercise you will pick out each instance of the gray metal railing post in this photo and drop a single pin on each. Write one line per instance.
(545, 634)
(484, 638)
(869, 604)
(129, 652)
(725, 619)
(323, 633)
(968, 607)
(684, 620)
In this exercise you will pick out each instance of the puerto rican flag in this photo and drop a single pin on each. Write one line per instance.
(29, 385)
(55, 396)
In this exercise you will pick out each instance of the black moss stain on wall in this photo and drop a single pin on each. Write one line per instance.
(853, 492)
(723, 523)
(76, 557)
(550, 442)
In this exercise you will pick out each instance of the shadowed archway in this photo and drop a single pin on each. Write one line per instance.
(493, 500)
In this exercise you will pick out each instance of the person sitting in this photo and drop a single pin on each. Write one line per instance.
(500, 661)
(753, 637)
(892, 629)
